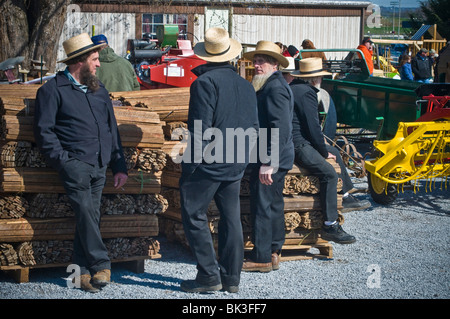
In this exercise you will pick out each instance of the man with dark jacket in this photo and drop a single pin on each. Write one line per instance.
(311, 151)
(421, 66)
(275, 106)
(76, 131)
(222, 109)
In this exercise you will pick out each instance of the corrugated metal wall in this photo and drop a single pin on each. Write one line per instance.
(117, 27)
(324, 32)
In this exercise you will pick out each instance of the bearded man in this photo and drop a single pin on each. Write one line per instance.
(76, 131)
(275, 111)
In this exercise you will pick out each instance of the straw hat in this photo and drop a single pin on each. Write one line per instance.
(79, 45)
(291, 67)
(268, 48)
(310, 67)
(218, 46)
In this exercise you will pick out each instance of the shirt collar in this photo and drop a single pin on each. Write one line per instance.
(82, 87)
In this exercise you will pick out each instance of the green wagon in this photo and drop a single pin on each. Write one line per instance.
(368, 102)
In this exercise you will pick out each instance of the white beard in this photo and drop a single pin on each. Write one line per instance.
(259, 80)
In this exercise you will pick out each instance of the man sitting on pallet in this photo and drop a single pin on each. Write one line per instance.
(311, 151)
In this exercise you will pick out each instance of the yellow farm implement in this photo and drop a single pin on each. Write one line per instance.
(419, 150)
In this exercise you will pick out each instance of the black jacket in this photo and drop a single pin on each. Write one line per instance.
(220, 99)
(306, 125)
(275, 107)
(71, 123)
(421, 67)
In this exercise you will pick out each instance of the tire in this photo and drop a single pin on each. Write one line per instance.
(381, 192)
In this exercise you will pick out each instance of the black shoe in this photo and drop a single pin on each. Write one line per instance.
(350, 203)
(337, 234)
(194, 286)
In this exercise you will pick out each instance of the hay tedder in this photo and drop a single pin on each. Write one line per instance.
(411, 122)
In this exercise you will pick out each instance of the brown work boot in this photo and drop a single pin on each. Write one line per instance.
(85, 284)
(250, 265)
(275, 261)
(102, 278)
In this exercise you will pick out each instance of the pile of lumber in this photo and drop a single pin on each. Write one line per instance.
(36, 219)
(171, 104)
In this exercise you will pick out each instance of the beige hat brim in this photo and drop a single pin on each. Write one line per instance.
(82, 52)
(298, 74)
(233, 51)
(284, 62)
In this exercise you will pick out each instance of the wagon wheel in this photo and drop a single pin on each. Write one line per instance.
(381, 192)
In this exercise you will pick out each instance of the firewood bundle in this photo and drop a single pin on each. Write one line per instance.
(8, 255)
(48, 205)
(122, 248)
(150, 160)
(123, 204)
(13, 206)
(15, 153)
(25, 254)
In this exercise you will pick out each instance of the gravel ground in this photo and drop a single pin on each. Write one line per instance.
(402, 252)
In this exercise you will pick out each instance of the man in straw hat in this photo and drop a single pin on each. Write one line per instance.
(275, 106)
(221, 103)
(311, 151)
(76, 131)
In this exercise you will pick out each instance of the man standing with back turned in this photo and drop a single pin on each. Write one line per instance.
(76, 131)
(221, 103)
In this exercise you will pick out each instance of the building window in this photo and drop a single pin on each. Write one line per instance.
(150, 22)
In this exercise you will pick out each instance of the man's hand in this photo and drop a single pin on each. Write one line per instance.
(120, 179)
(265, 175)
(331, 156)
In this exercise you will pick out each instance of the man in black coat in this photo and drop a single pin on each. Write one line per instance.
(311, 151)
(276, 157)
(421, 66)
(76, 131)
(223, 126)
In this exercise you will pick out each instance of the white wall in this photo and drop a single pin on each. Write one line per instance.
(324, 32)
(117, 27)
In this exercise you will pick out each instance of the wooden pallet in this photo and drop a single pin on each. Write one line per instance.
(21, 273)
(303, 252)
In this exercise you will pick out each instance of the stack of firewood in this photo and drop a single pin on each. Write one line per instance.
(36, 220)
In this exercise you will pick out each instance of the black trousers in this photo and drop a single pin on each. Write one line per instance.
(306, 156)
(197, 191)
(84, 184)
(267, 211)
